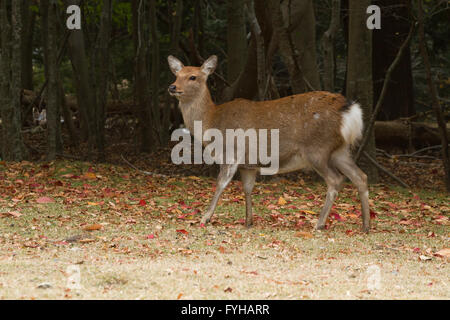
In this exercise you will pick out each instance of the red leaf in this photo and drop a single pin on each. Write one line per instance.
(336, 216)
(45, 200)
(373, 214)
(151, 236)
(182, 231)
(142, 203)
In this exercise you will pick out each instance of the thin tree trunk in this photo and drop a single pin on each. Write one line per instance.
(260, 50)
(84, 88)
(359, 74)
(328, 47)
(141, 76)
(52, 109)
(396, 21)
(236, 38)
(300, 21)
(29, 18)
(434, 96)
(103, 75)
(177, 17)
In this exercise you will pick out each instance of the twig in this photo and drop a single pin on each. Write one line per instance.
(384, 170)
(426, 149)
(380, 101)
(142, 171)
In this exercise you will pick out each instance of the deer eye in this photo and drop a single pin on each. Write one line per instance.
(192, 78)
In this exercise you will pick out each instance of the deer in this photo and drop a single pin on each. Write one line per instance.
(317, 130)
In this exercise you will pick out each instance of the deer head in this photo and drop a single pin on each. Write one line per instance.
(191, 81)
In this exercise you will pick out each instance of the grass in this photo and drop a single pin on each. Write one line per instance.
(147, 242)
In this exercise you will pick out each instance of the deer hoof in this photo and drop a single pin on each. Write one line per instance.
(204, 221)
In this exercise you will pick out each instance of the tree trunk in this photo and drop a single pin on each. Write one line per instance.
(299, 18)
(236, 38)
(434, 96)
(329, 66)
(84, 87)
(399, 99)
(28, 18)
(359, 73)
(54, 145)
(13, 148)
(103, 75)
(141, 76)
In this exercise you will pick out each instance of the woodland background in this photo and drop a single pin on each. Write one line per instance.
(101, 92)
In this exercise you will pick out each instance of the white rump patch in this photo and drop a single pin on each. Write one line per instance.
(352, 124)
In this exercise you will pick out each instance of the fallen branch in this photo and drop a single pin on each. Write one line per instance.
(142, 171)
(427, 149)
(384, 170)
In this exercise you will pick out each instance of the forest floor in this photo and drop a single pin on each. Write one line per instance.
(78, 230)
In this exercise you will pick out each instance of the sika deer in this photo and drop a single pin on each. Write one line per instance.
(316, 130)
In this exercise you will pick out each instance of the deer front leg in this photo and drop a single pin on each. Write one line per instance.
(226, 173)
(248, 177)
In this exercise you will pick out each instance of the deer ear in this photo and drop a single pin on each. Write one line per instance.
(209, 65)
(175, 64)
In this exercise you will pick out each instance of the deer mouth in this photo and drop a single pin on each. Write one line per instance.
(175, 93)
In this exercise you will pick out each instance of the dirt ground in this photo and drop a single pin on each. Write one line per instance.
(73, 230)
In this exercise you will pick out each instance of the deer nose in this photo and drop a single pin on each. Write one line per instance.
(173, 88)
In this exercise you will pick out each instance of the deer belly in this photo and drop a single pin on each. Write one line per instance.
(295, 163)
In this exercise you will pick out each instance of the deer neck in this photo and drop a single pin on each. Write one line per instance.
(199, 108)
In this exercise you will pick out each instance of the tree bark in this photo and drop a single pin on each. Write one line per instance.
(328, 45)
(300, 21)
(359, 74)
(83, 85)
(28, 18)
(434, 96)
(141, 76)
(399, 99)
(236, 38)
(103, 74)
(54, 145)
(13, 148)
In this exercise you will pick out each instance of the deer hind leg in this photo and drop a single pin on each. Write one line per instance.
(347, 166)
(334, 180)
(226, 173)
(248, 177)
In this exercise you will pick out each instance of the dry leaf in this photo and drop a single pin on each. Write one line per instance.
(93, 227)
(45, 200)
(281, 201)
(304, 234)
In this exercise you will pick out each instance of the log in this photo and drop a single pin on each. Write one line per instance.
(400, 133)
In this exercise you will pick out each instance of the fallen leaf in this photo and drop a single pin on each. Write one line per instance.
(151, 236)
(93, 227)
(45, 200)
(90, 176)
(281, 201)
(304, 234)
(87, 240)
(14, 214)
(179, 296)
(182, 231)
(228, 290)
(424, 258)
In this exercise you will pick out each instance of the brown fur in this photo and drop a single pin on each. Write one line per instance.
(309, 132)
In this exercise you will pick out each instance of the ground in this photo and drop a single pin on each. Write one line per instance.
(127, 235)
